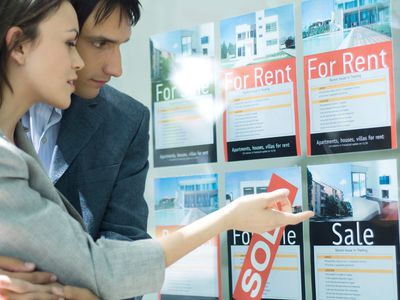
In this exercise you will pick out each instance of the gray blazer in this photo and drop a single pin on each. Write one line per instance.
(35, 226)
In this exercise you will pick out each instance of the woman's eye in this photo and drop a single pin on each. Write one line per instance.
(71, 43)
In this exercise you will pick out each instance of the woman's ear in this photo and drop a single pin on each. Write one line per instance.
(17, 51)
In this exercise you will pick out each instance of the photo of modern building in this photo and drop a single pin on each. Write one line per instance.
(182, 200)
(166, 48)
(330, 25)
(257, 181)
(256, 37)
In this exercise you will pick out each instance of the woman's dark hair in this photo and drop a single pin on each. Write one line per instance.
(27, 15)
(104, 9)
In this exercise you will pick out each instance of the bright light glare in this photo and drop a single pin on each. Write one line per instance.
(191, 74)
(193, 77)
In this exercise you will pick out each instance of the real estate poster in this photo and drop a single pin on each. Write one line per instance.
(348, 71)
(288, 264)
(180, 201)
(182, 76)
(354, 235)
(259, 85)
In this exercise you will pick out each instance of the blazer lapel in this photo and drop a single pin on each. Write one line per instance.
(25, 144)
(79, 122)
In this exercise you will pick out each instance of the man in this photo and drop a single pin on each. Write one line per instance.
(96, 151)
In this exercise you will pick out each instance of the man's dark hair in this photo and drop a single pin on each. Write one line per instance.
(104, 9)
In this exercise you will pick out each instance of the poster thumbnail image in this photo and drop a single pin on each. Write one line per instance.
(182, 76)
(178, 202)
(256, 37)
(329, 25)
(259, 85)
(288, 264)
(359, 191)
(354, 235)
(348, 71)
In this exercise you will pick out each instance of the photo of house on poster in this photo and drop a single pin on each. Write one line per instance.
(354, 235)
(258, 80)
(178, 202)
(182, 79)
(348, 71)
(288, 264)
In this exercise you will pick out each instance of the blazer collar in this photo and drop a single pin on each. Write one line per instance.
(78, 124)
(23, 142)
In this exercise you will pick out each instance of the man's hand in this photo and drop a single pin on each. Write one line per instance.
(76, 293)
(20, 281)
(17, 289)
(15, 268)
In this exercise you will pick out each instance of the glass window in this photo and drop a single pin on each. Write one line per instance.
(204, 40)
(261, 189)
(359, 184)
(271, 27)
(248, 190)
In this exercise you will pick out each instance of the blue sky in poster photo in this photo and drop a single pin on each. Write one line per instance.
(316, 10)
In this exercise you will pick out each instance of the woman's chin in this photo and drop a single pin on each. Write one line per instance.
(64, 104)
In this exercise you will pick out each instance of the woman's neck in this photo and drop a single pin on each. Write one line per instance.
(14, 106)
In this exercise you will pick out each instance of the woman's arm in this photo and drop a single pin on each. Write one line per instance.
(255, 213)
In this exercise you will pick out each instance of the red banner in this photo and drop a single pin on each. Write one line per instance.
(261, 253)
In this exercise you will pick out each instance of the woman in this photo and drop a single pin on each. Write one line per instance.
(38, 62)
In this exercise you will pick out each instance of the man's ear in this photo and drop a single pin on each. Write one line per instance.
(17, 51)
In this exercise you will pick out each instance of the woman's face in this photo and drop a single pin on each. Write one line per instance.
(52, 59)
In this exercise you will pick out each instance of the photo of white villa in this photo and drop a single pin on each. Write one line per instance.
(256, 37)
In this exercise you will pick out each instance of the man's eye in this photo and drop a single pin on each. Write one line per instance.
(99, 44)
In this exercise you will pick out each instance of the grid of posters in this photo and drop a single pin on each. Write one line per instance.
(259, 85)
(350, 107)
(354, 235)
(180, 201)
(348, 73)
(182, 76)
(288, 264)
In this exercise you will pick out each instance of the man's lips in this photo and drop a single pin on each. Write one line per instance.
(100, 82)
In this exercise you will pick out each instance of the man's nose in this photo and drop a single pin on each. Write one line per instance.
(113, 65)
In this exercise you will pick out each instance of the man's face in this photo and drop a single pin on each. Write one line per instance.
(99, 47)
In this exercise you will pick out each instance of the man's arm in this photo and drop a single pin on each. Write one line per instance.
(126, 215)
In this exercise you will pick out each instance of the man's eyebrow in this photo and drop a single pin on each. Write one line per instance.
(100, 38)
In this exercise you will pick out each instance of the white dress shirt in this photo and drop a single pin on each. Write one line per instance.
(42, 124)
